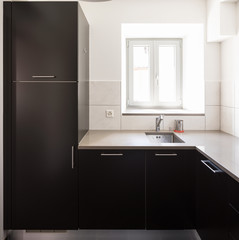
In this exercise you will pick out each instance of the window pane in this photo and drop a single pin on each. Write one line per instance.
(141, 73)
(167, 73)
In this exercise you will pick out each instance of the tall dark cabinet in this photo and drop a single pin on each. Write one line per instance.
(41, 134)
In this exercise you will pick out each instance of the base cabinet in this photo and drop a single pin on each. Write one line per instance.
(233, 209)
(111, 189)
(212, 204)
(169, 190)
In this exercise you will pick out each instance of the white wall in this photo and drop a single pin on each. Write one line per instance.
(230, 83)
(1, 120)
(105, 60)
(192, 36)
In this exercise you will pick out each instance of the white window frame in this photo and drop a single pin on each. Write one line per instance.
(154, 63)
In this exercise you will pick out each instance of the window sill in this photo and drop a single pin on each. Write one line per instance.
(152, 112)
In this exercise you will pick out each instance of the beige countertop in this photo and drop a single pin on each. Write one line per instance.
(221, 148)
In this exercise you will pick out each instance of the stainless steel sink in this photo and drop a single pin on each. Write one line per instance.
(163, 137)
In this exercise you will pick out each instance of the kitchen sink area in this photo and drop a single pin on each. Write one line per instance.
(163, 137)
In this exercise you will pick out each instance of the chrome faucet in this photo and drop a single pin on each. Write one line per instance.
(158, 122)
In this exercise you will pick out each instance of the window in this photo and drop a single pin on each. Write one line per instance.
(154, 73)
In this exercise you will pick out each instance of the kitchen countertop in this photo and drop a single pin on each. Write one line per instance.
(220, 147)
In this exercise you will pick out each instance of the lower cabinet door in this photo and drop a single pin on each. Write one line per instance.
(233, 223)
(44, 183)
(233, 209)
(212, 201)
(165, 190)
(111, 189)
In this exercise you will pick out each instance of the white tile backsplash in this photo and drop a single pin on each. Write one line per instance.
(99, 121)
(227, 93)
(236, 93)
(105, 93)
(230, 84)
(212, 62)
(212, 93)
(189, 122)
(237, 122)
(138, 123)
(212, 115)
(227, 119)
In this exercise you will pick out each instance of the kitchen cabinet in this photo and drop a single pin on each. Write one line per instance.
(233, 209)
(41, 113)
(111, 189)
(44, 182)
(212, 202)
(169, 189)
(44, 41)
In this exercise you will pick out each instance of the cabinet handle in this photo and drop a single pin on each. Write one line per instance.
(166, 154)
(72, 157)
(206, 162)
(42, 76)
(111, 154)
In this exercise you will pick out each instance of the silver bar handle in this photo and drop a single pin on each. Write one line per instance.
(205, 162)
(166, 154)
(72, 157)
(42, 76)
(111, 154)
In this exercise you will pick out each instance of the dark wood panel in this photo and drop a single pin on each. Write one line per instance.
(233, 188)
(233, 223)
(45, 129)
(233, 208)
(212, 203)
(112, 190)
(7, 92)
(190, 159)
(165, 190)
(44, 40)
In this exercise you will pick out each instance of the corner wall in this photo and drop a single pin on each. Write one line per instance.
(230, 83)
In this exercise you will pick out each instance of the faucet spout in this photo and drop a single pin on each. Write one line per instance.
(158, 122)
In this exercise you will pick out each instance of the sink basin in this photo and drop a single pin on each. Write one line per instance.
(163, 137)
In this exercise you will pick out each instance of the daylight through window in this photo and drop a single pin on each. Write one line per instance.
(154, 73)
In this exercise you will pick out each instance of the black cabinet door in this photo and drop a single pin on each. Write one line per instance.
(44, 41)
(166, 190)
(44, 184)
(233, 209)
(111, 189)
(211, 201)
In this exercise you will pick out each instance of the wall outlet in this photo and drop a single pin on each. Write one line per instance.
(109, 113)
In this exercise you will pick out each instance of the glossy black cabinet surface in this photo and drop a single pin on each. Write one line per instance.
(111, 189)
(44, 40)
(169, 190)
(233, 209)
(41, 114)
(44, 184)
(212, 202)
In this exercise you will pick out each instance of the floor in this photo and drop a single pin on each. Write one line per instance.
(107, 235)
